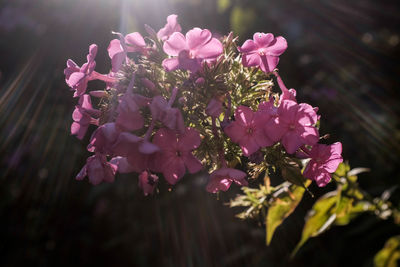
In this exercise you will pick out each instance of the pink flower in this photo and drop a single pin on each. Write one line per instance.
(248, 130)
(118, 48)
(214, 108)
(78, 77)
(122, 164)
(103, 138)
(189, 52)
(82, 116)
(176, 154)
(117, 54)
(171, 117)
(263, 51)
(294, 126)
(169, 28)
(98, 169)
(324, 160)
(137, 151)
(287, 94)
(135, 43)
(222, 179)
(129, 117)
(147, 182)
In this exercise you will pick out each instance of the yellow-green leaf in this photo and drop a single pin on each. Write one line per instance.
(389, 254)
(319, 219)
(282, 208)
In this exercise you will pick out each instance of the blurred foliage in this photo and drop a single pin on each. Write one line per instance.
(336, 207)
(390, 254)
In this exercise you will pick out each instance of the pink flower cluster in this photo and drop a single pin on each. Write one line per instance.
(147, 133)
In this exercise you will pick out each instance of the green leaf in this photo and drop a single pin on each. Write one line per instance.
(293, 175)
(282, 208)
(389, 254)
(342, 169)
(319, 219)
(344, 216)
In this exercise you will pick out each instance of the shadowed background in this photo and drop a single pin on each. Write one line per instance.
(342, 57)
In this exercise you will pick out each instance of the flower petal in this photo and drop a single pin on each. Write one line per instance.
(192, 163)
(212, 49)
(196, 38)
(277, 47)
(190, 140)
(263, 39)
(175, 44)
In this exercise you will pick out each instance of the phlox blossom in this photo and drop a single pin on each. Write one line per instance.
(263, 51)
(188, 52)
(324, 160)
(248, 130)
(221, 179)
(176, 153)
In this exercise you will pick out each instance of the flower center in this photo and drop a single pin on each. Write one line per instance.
(292, 126)
(249, 130)
(151, 180)
(178, 153)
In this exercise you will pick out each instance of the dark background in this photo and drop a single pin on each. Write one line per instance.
(342, 57)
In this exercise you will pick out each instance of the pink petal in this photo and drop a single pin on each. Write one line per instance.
(190, 140)
(82, 173)
(109, 172)
(310, 135)
(306, 115)
(175, 44)
(85, 101)
(192, 163)
(165, 139)
(136, 42)
(263, 40)
(79, 130)
(173, 170)
(251, 60)
(216, 184)
(75, 78)
(92, 52)
(148, 148)
(122, 164)
(249, 46)
(197, 37)
(248, 145)
(212, 49)
(261, 138)
(323, 179)
(170, 64)
(292, 141)
(171, 27)
(95, 170)
(147, 182)
(125, 144)
(129, 120)
(277, 47)
(235, 174)
(268, 63)
(114, 48)
(244, 115)
(186, 63)
(214, 108)
(287, 111)
(274, 130)
(235, 131)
